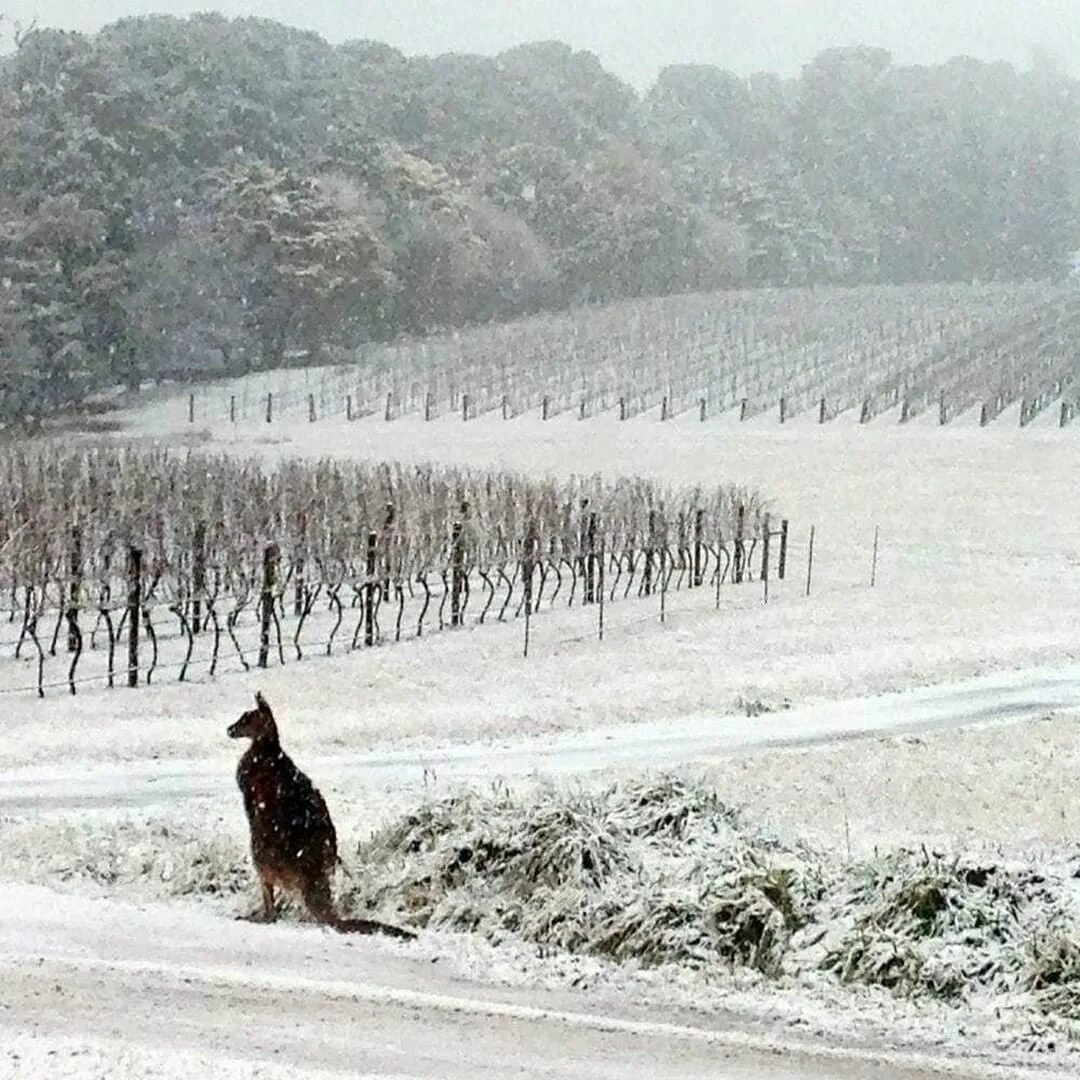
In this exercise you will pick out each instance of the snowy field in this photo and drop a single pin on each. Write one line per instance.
(979, 563)
(111, 941)
(132, 874)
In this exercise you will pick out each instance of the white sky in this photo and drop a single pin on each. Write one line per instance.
(635, 38)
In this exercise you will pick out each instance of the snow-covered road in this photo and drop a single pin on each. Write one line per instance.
(103, 988)
(93, 987)
(696, 739)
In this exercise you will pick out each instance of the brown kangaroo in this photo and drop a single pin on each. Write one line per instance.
(293, 842)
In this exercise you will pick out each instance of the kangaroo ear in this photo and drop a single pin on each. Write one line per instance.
(261, 702)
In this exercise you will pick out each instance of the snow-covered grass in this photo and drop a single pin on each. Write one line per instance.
(991, 796)
(651, 872)
(655, 874)
(663, 872)
(151, 856)
(475, 685)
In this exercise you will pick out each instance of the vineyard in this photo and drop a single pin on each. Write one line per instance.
(820, 352)
(121, 566)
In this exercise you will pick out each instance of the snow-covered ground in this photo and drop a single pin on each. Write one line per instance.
(699, 740)
(96, 989)
(978, 587)
(979, 560)
(108, 849)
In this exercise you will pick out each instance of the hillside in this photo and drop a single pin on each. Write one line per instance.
(178, 193)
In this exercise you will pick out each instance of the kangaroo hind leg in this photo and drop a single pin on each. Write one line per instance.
(318, 899)
(268, 912)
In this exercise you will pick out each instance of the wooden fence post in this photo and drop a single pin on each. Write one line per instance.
(457, 569)
(269, 408)
(701, 409)
(387, 554)
(873, 564)
(348, 407)
(74, 588)
(663, 581)
(232, 408)
(744, 408)
(191, 409)
(699, 547)
(311, 408)
(810, 561)
(134, 612)
(427, 405)
(650, 552)
(662, 535)
(198, 575)
(544, 407)
(622, 408)
(766, 536)
(464, 406)
(528, 567)
(369, 588)
(740, 525)
(822, 415)
(505, 407)
(270, 559)
(299, 582)
(783, 408)
(781, 569)
(590, 557)
(600, 584)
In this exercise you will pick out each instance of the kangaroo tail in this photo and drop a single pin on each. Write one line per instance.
(319, 904)
(370, 926)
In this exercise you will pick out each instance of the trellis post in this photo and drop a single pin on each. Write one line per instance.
(270, 559)
(369, 588)
(134, 605)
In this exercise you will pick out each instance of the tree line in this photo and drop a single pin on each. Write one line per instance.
(205, 194)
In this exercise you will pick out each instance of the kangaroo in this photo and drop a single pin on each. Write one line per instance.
(293, 841)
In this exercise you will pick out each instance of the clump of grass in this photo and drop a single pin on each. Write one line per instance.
(752, 707)
(673, 808)
(1052, 971)
(651, 872)
(162, 860)
(923, 924)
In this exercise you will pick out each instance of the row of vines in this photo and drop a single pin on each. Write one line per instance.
(944, 349)
(120, 563)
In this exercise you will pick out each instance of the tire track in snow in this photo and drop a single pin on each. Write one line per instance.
(1001, 697)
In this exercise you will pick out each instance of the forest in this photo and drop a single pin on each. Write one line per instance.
(190, 197)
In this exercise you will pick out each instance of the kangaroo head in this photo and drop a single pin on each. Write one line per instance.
(257, 723)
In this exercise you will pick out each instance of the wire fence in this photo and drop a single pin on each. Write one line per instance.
(291, 621)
